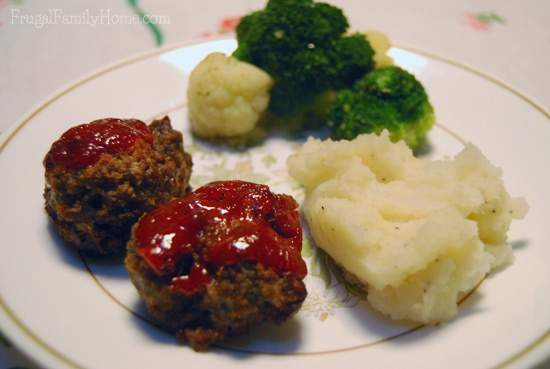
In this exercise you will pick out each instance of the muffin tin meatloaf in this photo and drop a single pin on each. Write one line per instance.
(102, 176)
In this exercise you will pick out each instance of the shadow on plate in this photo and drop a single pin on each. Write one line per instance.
(519, 245)
(111, 267)
(138, 315)
(66, 253)
(424, 150)
(404, 332)
(470, 306)
(239, 146)
(266, 338)
(374, 322)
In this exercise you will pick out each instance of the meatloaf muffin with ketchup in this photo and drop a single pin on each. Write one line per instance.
(102, 176)
(218, 261)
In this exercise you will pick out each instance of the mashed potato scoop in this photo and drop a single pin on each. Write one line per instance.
(417, 233)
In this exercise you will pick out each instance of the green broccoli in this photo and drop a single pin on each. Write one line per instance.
(387, 98)
(302, 45)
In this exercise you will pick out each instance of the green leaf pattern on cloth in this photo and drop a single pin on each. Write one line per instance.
(482, 21)
(269, 160)
(489, 17)
(154, 28)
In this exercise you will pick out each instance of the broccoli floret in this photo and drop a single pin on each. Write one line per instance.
(301, 44)
(387, 98)
(354, 57)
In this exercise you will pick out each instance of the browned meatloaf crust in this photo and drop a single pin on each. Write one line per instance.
(240, 296)
(93, 209)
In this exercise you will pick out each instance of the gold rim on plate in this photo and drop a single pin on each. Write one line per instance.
(69, 362)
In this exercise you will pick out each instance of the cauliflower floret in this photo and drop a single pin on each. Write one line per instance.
(226, 97)
(380, 44)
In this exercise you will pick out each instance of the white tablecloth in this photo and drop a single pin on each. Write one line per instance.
(46, 44)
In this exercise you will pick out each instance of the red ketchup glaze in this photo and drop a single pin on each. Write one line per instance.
(221, 224)
(82, 145)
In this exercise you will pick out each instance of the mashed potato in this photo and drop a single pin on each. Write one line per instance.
(418, 233)
(226, 97)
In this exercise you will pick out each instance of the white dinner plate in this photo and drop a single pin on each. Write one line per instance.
(68, 312)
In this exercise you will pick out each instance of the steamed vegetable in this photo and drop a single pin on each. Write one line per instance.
(226, 97)
(387, 98)
(303, 46)
(381, 45)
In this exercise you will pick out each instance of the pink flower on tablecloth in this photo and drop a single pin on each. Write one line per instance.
(482, 21)
(225, 25)
(228, 24)
(206, 34)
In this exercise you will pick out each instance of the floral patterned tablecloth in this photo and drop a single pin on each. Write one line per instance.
(46, 44)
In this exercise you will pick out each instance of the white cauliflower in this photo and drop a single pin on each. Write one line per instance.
(380, 44)
(226, 96)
